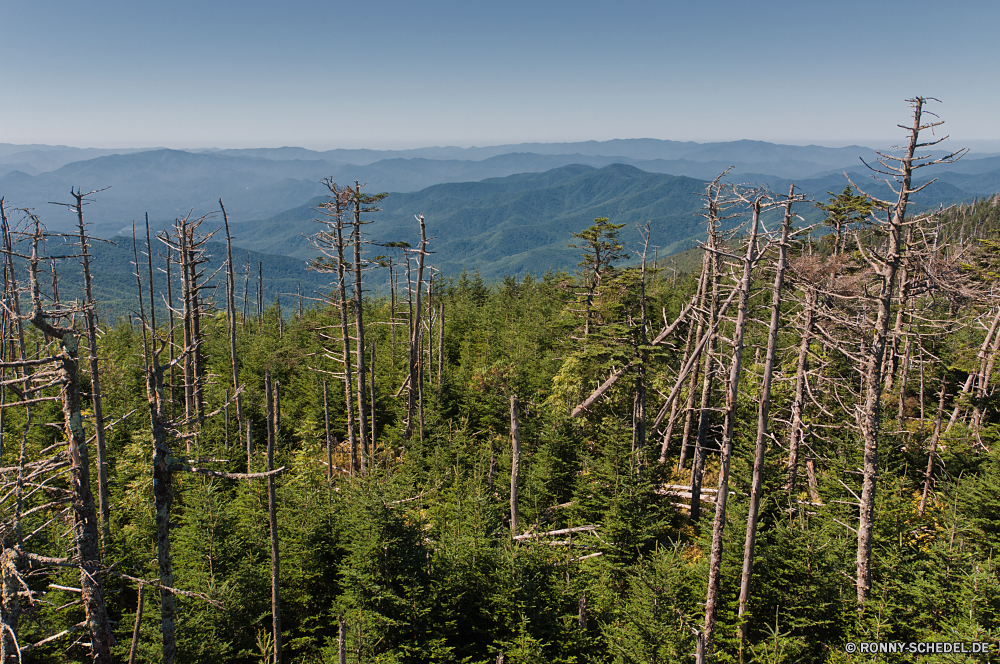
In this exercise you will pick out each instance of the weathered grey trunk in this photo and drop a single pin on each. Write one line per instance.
(414, 364)
(871, 408)
(85, 521)
(346, 335)
(801, 376)
(341, 639)
(90, 318)
(706, 267)
(763, 411)
(359, 333)
(231, 314)
(515, 462)
(140, 601)
(329, 443)
(440, 342)
(704, 414)
(272, 514)
(162, 481)
(935, 437)
(704, 652)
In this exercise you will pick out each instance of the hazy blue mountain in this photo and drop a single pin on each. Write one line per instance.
(166, 184)
(974, 183)
(41, 158)
(521, 223)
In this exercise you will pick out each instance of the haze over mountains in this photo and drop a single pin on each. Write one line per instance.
(504, 209)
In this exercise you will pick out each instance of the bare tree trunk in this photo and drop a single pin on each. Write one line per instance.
(272, 514)
(135, 629)
(371, 403)
(345, 333)
(440, 342)
(90, 317)
(704, 418)
(341, 639)
(170, 313)
(935, 437)
(887, 267)
(85, 523)
(414, 388)
(329, 443)
(639, 427)
(802, 367)
(231, 314)
(704, 652)
(359, 327)
(706, 267)
(515, 462)
(763, 412)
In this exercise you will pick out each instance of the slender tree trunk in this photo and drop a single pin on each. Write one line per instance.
(371, 403)
(345, 333)
(272, 513)
(329, 443)
(639, 429)
(341, 639)
(515, 462)
(440, 342)
(359, 327)
(763, 412)
(85, 523)
(704, 652)
(90, 317)
(231, 314)
(801, 369)
(693, 381)
(414, 388)
(135, 629)
(704, 418)
(870, 411)
(935, 437)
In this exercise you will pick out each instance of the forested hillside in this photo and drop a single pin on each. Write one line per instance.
(785, 450)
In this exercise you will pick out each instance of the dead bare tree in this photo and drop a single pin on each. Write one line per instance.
(81, 199)
(85, 522)
(758, 202)
(331, 242)
(413, 391)
(897, 172)
(515, 462)
(165, 464)
(231, 317)
(763, 410)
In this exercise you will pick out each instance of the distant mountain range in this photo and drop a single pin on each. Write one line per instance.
(503, 209)
(259, 183)
(523, 223)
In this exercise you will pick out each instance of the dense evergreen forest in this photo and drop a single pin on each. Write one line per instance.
(784, 450)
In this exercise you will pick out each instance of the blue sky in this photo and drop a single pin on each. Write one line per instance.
(387, 73)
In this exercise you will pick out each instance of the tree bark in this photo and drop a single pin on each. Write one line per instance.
(414, 387)
(718, 523)
(935, 437)
(515, 462)
(763, 412)
(90, 317)
(870, 412)
(801, 369)
(272, 514)
(704, 417)
(85, 522)
(359, 329)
